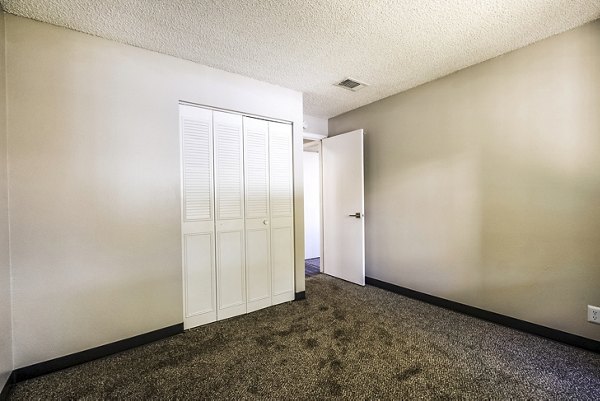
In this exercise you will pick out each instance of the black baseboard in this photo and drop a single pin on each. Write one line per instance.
(42, 368)
(300, 295)
(512, 322)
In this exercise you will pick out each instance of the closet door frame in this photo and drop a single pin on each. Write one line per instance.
(275, 299)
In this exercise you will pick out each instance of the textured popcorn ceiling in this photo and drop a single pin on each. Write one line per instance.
(308, 45)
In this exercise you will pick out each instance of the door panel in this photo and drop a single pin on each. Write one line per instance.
(229, 205)
(197, 212)
(343, 207)
(231, 270)
(282, 213)
(282, 259)
(258, 264)
(198, 254)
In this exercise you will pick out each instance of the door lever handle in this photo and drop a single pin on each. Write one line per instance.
(357, 215)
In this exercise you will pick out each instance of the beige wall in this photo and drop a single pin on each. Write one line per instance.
(6, 362)
(94, 183)
(483, 187)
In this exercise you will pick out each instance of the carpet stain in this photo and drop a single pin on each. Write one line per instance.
(339, 333)
(265, 340)
(285, 333)
(330, 387)
(408, 373)
(341, 336)
(339, 314)
(252, 389)
(312, 343)
(384, 336)
(336, 365)
(293, 328)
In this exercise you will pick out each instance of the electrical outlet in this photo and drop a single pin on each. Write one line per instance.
(594, 314)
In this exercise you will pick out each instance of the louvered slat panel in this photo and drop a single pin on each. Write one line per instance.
(280, 149)
(257, 174)
(197, 196)
(229, 168)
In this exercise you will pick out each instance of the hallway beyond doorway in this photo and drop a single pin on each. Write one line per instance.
(312, 267)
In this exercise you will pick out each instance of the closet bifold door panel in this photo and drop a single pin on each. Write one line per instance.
(258, 233)
(197, 214)
(237, 214)
(229, 211)
(281, 211)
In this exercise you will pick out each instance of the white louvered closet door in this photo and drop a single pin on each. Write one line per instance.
(281, 211)
(258, 233)
(198, 233)
(229, 210)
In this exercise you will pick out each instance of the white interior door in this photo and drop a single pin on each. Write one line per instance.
(197, 214)
(258, 233)
(281, 200)
(229, 211)
(343, 207)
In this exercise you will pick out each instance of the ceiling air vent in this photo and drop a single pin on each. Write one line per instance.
(351, 84)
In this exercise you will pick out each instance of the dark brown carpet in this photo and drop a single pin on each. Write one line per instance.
(344, 341)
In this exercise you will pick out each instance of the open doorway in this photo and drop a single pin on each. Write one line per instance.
(312, 208)
(334, 205)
